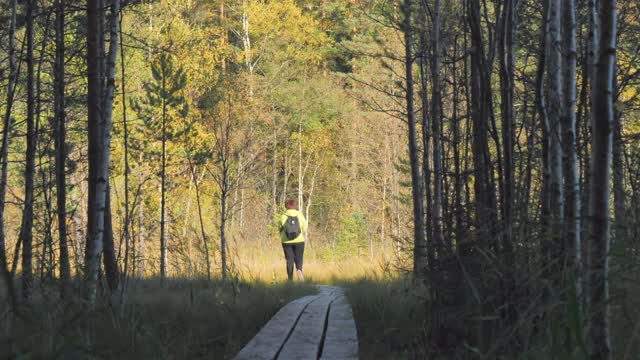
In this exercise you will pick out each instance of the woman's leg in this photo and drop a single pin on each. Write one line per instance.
(289, 256)
(299, 258)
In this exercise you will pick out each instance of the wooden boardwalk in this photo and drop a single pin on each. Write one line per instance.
(313, 327)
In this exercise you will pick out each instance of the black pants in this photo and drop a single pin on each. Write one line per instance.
(293, 253)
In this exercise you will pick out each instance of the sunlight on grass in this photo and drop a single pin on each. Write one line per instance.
(269, 266)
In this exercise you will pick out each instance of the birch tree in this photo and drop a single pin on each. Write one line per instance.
(100, 88)
(554, 125)
(602, 113)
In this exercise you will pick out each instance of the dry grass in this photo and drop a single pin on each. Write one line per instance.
(269, 266)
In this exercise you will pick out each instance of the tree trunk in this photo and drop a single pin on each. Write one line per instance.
(224, 193)
(506, 49)
(286, 172)
(541, 108)
(554, 118)
(110, 260)
(97, 180)
(274, 169)
(300, 175)
(26, 230)
(572, 179)
(61, 154)
(458, 189)
(205, 242)
(436, 115)
(602, 114)
(308, 205)
(100, 109)
(619, 194)
(109, 255)
(592, 60)
(4, 152)
(141, 235)
(127, 170)
(480, 115)
(419, 268)
(507, 85)
(163, 176)
(426, 141)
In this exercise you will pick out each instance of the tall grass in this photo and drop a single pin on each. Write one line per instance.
(187, 320)
(194, 320)
(390, 316)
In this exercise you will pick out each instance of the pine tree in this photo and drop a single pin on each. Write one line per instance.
(163, 102)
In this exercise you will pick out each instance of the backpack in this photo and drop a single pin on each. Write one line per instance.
(292, 227)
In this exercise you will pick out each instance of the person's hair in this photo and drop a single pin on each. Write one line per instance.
(290, 204)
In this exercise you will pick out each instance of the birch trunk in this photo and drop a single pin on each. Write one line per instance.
(97, 181)
(541, 108)
(308, 205)
(592, 60)
(602, 113)
(100, 110)
(555, 113)
(570, 159)
(110, 260)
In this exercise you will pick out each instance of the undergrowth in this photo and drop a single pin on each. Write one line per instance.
(186, 320)
(389, 314)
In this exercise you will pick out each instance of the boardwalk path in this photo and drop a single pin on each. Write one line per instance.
(313, 327)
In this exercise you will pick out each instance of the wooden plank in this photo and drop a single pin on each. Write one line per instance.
(266, 344)
(306, 339)
(341, 339)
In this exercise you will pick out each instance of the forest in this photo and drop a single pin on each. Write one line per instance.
(469, 170)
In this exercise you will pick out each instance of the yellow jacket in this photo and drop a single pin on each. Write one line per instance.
(283, 221)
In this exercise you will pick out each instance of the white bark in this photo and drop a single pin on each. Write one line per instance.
(554, 118)
(572, 180)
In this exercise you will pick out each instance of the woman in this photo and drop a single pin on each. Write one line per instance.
(293, 226)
